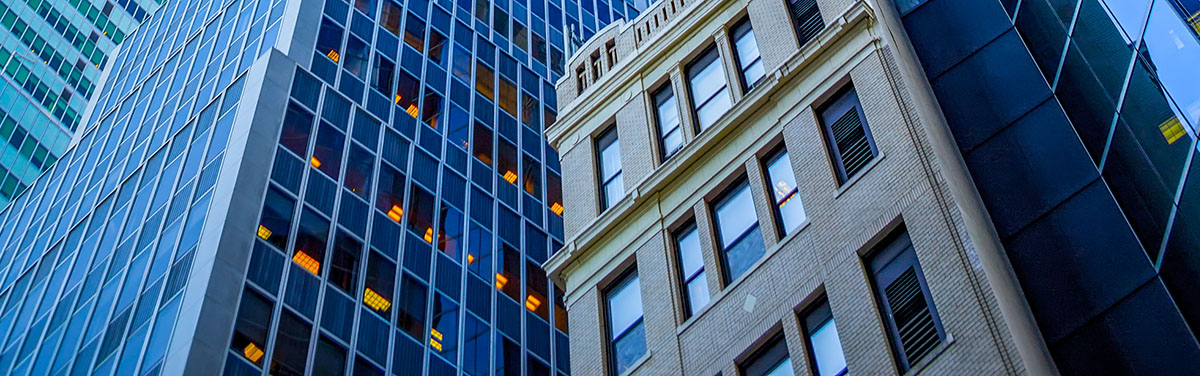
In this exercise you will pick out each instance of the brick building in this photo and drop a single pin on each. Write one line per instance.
(751, 189)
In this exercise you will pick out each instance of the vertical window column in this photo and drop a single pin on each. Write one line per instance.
(745, 48)
(666, 116)
(911, 320)
(824, 347)
(626, 334)
(846, 132)
(737, 231)
(789, 211)
(608, 156)
(691, 270)
(709, 91)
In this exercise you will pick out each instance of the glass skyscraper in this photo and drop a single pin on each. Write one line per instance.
(304, 187)
(51, 57)
(1078, 122)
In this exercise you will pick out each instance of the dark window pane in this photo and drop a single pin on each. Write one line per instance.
(327, 154)
(330, 358)
(250, 330)
(847, 135)
(379, 283)
(411, 314)
(291, 345)
(359, 170)
(297, 124)
(343, 273)
(276, 218)
(311, 239)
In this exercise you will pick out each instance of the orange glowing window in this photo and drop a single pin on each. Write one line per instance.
(435, 333)
(557, 208)
(412, 110)
(532, 303)
(264, 232)
(316, 163)
(333, 55)
(307, 262)
(396, 213)
(429, 235)
(435, 344)
(510, 176)
(470, 258)
(252, 352)
(399, 98)
(375, 301)
(501, 280)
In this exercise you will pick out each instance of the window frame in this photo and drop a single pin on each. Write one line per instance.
(774, 351)
(658, 104)
(776, 155)
(603, 141)
(821, 303)
(700, 275)
(624, 280)
(691, 71)
(841, 104)
(897, 253)
(742, 29)
(724, 198)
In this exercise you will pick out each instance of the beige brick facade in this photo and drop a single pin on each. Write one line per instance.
(905, 184)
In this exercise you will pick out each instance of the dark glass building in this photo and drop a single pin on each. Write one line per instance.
(1077, 120)
(304, 187)
(52, 54)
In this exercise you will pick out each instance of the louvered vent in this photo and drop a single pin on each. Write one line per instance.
(852, 145)
(807, 19)
(914, 321)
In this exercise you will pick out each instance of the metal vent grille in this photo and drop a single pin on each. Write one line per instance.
(852, 144)
(914, 321)
(807, 19)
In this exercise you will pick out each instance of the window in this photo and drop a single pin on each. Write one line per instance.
(770, 360)
(850, 144)
(327, 155)
(789, 211)
(276, 219)
(666, 113)
(626, 334)
(414, 33)
(745, 49)
(710, 96)
(910, 317)
(343, 272)
(291, 345)
(823, 345)
(737, 231)
(608, 152)
(806, 18)
(250, 329)
(691, 270)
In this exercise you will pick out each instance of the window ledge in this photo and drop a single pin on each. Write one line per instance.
(859, 176)
(638, 364)
(737, 282)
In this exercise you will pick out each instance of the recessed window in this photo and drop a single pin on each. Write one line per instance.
(771, 360)
(250, 329)
(745, 49)
(691, 270)
(789, 211)
(666, 114)
(608, 153)
(806, 18)
(737, 231)
(846, 132)
(626, 334)
(824, 347)
(911, 320)
(710, 94)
